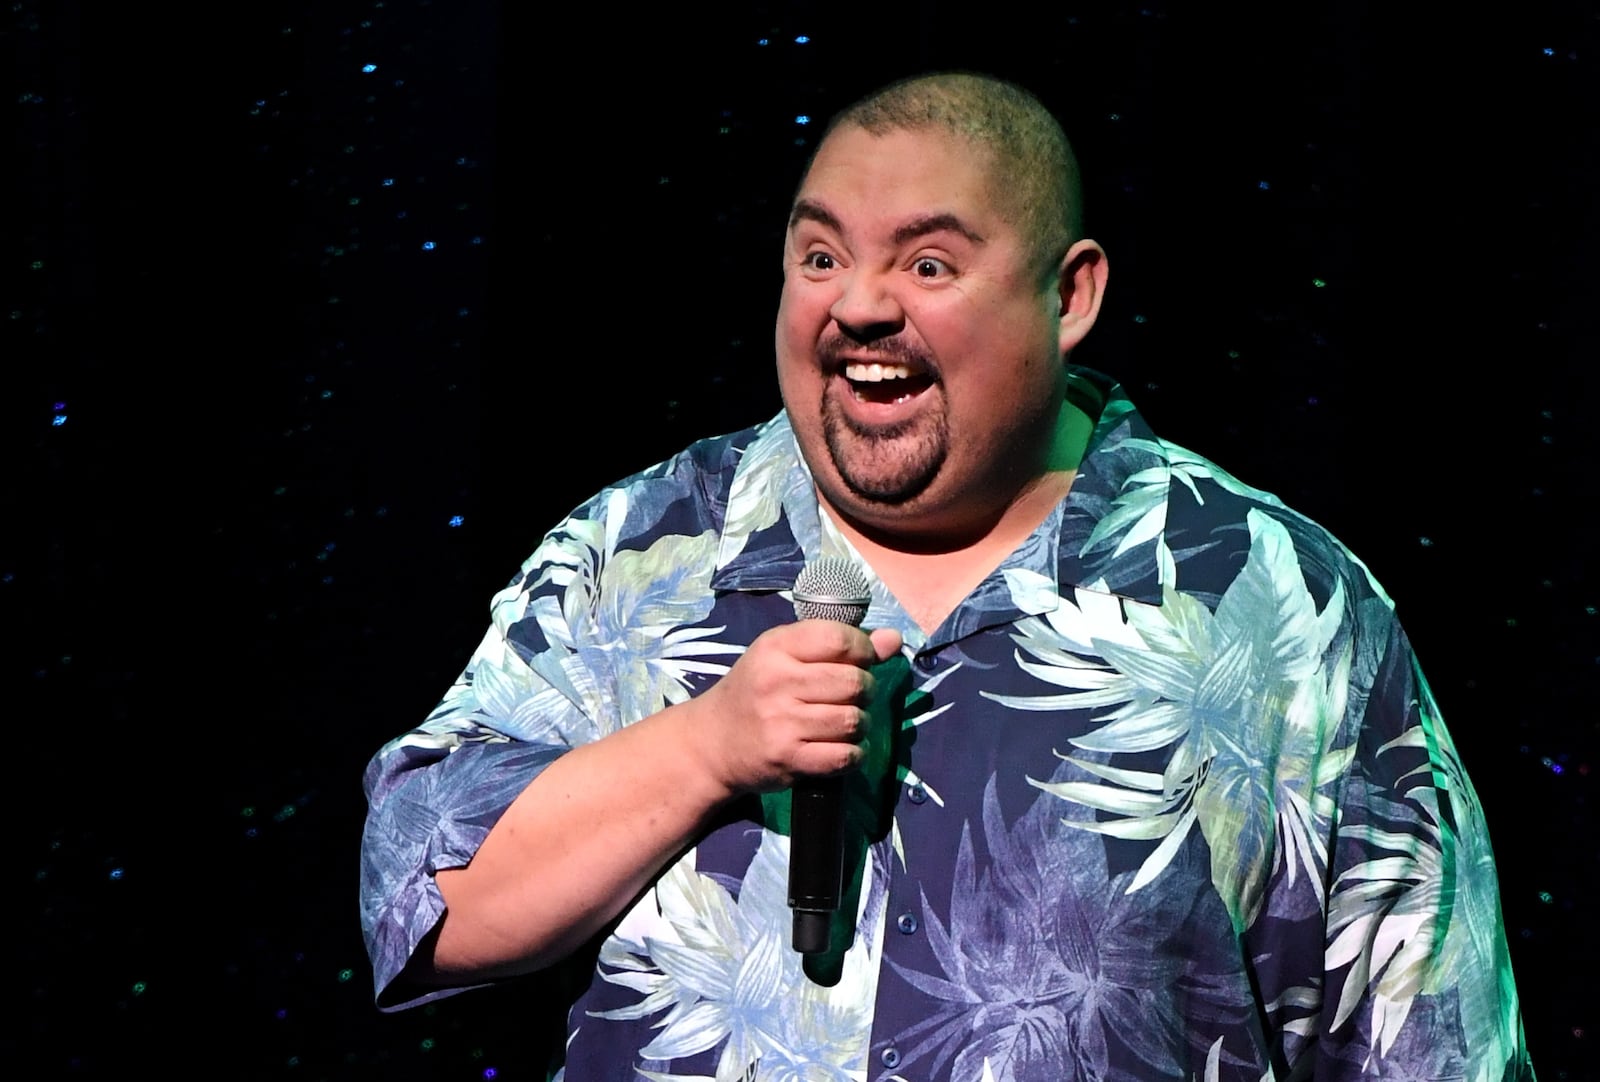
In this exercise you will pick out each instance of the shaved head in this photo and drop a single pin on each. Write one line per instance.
(1034, 175)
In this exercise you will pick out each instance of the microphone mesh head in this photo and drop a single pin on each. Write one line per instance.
(832, 588)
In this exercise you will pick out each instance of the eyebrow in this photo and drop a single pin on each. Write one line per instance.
(805, 210)
(934, 223)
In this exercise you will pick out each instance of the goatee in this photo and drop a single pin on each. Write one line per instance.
(885, 464)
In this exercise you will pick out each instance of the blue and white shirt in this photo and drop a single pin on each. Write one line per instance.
(1166, 797)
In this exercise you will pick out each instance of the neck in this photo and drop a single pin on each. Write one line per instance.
(930, 572)
(931, 579)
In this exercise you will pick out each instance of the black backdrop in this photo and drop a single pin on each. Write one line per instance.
(300, 359)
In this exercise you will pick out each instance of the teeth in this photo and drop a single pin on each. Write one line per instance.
(875, 373)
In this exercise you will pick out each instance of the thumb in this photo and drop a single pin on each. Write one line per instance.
(885, 642)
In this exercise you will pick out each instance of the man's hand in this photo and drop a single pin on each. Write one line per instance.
(794, 703)
(591, 831)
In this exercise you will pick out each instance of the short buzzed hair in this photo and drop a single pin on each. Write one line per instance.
(1035, 174)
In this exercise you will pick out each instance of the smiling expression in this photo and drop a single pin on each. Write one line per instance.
(920, 348)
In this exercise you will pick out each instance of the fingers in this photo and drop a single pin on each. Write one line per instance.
(795, 703)
(842, 684)
(835, 745)
(826, 759)
(828, 640)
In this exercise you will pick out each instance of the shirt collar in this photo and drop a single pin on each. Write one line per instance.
(1096, 539)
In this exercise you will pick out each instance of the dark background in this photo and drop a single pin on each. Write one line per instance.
(268, 453)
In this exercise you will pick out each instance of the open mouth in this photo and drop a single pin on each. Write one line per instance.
(885, 383)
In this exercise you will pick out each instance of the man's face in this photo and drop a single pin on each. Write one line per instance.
(919, 348)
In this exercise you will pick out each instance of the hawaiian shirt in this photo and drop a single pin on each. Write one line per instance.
(1166, 797)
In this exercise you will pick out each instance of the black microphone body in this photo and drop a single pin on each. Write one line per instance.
(828, 589)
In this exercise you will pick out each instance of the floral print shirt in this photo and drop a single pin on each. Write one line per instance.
(1166, 797)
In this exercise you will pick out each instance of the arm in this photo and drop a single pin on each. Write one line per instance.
(595, 827)
(531, 811)
(1418, 973)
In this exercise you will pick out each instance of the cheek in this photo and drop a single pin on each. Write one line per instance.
(802, 317)
(793, 348)
(950, 334)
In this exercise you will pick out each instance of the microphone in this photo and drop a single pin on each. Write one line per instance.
(827, 589)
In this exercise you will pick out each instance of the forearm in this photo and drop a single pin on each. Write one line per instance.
(574, 848)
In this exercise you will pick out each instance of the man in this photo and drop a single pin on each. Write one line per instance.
(1142, 779)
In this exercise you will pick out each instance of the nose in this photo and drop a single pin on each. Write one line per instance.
(865, 308)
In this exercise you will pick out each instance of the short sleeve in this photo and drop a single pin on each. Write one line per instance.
(434, 793)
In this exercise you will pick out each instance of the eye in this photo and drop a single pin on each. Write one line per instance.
(818, 261)
(929, 267)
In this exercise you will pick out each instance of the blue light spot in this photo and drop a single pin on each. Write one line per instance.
(762, 41)
(1556, 769)
(456, 520)
(261, 104)
(116, 873)
(802, 119)
(1549, 52)
(388, 182)
(476, 240)
(427, 246)
(58, 420)
(369, 68)
(60, 406)
(1264, 186)
(801, 40)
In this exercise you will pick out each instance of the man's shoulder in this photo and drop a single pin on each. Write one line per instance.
(1220, 528)
(686, 492)
(706, 458)
(684, 495)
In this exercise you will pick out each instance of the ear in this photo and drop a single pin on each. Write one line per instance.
(1081, 283)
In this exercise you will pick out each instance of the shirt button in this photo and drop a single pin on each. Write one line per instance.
(927, 662)
(890, 1057)
(917, 794)
(907, 923)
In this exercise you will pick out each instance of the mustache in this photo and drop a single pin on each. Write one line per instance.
(835, 349)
